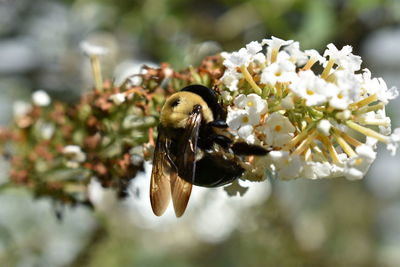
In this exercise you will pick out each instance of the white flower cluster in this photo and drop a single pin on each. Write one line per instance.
(276, 99)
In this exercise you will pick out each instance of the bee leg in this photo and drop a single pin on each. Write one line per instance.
(218, 124)
(242, 148)
(222, 140)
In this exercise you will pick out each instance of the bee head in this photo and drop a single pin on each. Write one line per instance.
(179, 106)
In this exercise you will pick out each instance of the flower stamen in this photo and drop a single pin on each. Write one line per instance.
(344, 145)
(332, 151)
(250, 80)
(367, 131)
(363, 102)
(327, 69)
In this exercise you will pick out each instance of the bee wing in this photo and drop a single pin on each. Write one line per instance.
(186, 162)
(162, 174)
(181, 191)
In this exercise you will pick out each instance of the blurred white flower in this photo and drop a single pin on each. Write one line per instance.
(21, 108)
(46, 129)
(41, 98)
(74, 155)
(394, 141)
(90, 49)
(118, 98)
(324, 127)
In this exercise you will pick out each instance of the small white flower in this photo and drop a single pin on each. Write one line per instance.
(226, 96)
(324, 126)
(237, 59)
(346, 91)
(21, 108)
(275, 43)
(259, 58)
(246, 132)
(296, 55)
(287, 166)
(335, 54)
(41, 98)
(118, 98)
(317, 170)
(394, 141)
(313, 89)
(314, 55)
(287, 102)
(92, 50)
(253, 103)
(231, 79)
(253, 48)
(278, 130)
(74, 156)
(350, 63)
(381, 115)
(349, 83)
(378, 86)
(339, 100)
(237, 118)
(280, 71)
(357, 166)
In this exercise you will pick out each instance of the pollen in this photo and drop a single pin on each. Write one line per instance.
(250, 103)
(278, 128)
(245, 119)
(277, 74)
(340, 96)
(358, 161)
(309, 92)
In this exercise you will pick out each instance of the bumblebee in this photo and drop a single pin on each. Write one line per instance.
(193, 147)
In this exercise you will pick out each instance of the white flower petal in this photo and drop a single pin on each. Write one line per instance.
(41, 98)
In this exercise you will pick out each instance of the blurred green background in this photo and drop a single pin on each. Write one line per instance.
(297, 223)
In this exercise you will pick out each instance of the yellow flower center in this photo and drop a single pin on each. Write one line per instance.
(245, 119)
(309, 92)
(278, 128)
(358, 161)
(340, 96)
(277, 74)
(250, 103)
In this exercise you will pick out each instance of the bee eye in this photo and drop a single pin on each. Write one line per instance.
(175, 102)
